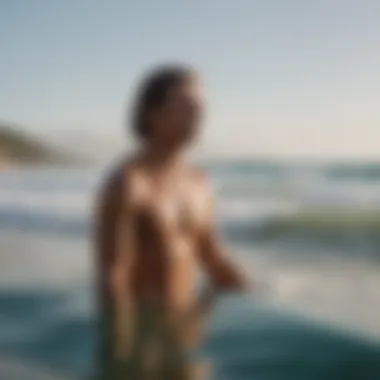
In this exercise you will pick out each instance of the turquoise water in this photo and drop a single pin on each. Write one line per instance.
(244, 340)
(316, 311)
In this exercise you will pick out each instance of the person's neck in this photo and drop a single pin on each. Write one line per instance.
(163, 157)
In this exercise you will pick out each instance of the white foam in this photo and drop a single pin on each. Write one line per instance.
(344, 293)
(30, 260)
(247, 209)
(59, 204)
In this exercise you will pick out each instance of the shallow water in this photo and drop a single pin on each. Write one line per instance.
(245, 340)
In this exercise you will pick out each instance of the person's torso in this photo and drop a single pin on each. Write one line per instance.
(167, 220)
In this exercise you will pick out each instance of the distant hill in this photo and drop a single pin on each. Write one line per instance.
(19, 148)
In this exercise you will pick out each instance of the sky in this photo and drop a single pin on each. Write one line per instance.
(295, 78)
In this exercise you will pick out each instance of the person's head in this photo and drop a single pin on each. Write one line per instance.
(168, 107)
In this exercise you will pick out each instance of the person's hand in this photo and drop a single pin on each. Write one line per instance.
(246, 286)
(233, 282)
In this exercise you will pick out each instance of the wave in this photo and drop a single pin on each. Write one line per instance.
(250, 207)
(73, 211)
(319, 236)
(24, 220)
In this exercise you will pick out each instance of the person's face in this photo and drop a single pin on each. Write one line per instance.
(177, 120)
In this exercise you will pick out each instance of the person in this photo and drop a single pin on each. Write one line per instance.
(154, 230)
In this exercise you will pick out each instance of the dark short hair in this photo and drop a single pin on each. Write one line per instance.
(153, 92)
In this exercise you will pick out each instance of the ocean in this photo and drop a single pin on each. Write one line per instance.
(307, 234)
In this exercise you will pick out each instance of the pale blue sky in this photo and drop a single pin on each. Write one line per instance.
(295, 77)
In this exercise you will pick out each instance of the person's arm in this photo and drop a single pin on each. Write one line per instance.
(223, 273)
(115, 251)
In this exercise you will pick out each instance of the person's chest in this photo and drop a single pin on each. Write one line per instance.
(172, 207)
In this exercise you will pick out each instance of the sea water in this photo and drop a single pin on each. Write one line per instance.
(307, 235)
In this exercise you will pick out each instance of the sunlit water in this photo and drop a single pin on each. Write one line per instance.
(316, 310)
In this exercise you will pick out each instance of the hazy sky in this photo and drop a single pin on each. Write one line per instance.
(295, 77)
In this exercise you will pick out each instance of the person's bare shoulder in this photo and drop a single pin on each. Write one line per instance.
(201, 181)
(119, 184)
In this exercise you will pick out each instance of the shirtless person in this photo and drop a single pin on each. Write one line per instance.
(154, 228)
